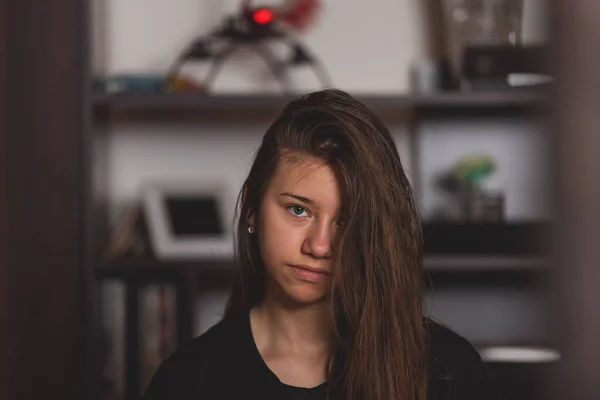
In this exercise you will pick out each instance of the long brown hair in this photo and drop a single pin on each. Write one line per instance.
(376, 296)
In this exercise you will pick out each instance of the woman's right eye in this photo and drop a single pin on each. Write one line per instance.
(298, 211)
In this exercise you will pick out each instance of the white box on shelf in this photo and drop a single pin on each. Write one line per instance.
(186, 219)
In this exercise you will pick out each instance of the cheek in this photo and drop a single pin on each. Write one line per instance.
(279, 240)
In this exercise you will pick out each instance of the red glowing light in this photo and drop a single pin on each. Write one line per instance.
(262, 16)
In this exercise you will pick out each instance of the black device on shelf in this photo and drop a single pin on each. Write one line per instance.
(508, 239)
(489, 67)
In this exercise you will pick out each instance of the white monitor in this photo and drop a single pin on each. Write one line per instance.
(188, 219)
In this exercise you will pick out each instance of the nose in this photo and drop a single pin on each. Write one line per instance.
(319, 241)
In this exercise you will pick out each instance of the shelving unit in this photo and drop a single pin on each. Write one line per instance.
(55, 267)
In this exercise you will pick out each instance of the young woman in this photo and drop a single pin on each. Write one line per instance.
(327, 299)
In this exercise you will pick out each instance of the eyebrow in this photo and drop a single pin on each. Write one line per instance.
(305, 200)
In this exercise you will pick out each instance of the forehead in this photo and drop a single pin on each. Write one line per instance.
(307, 176)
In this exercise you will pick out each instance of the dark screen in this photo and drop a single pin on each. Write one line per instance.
(193, 216)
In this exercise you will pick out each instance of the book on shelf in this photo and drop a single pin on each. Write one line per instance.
(112, 346)
(157, 329)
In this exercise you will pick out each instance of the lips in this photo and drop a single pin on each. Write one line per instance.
(310, 274)
(312, 269)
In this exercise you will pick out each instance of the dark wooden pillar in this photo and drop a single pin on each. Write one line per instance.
(4, 368)
(576, 290)
(44, 274)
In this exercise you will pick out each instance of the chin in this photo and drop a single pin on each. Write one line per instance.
(302, 294)
(306, 296)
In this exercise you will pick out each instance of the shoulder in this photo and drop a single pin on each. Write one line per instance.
(201, 362)
(456, 368)
(214, 345)
(449, 349)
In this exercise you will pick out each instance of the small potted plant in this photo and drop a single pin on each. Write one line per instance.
(465, 181)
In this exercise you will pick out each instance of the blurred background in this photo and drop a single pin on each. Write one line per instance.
(131, 126)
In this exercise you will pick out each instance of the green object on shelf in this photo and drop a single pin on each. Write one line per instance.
(473, 169)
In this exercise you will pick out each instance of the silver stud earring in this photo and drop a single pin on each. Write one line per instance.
(251, 230)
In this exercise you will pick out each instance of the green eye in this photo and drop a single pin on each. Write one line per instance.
(297, 211)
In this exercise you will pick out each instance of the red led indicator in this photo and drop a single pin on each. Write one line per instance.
(263, 16)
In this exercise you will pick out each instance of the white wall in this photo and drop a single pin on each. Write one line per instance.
(367, 46)
(506, 315)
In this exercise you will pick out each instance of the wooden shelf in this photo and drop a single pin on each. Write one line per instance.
(275, 102)
(479, 100)
(489, 263)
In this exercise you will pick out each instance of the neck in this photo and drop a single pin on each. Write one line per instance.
(297, 329)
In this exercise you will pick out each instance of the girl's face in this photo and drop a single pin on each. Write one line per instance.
(297, 229)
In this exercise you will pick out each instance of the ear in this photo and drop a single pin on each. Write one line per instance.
(250, 217)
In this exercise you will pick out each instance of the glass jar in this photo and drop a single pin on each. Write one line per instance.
(480, 22)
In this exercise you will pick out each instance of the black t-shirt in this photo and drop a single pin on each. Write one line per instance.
(224, 363)
(300, 393)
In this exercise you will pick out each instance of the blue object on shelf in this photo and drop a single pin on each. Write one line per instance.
(131, 83)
